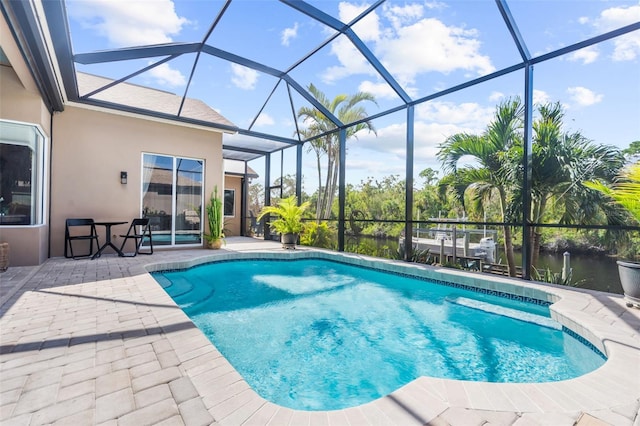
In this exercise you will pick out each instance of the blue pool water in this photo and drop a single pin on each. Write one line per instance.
(320, 335)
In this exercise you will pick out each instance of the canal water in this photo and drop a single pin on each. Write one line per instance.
(594, 272)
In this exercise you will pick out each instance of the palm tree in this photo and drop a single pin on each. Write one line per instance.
(491, 175)
(347, 109)
(561, 162)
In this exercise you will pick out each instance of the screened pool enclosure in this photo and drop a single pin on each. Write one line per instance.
(501, 107)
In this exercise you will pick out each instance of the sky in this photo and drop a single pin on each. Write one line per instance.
(426, 46)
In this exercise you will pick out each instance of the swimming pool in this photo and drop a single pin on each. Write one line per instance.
(314, 334)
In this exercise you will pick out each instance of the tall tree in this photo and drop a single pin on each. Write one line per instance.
(348, 109)
(256, 198)
(288, 183)
(561, 162)
(633, 151)
(489, 177)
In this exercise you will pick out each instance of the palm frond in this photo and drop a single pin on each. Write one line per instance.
(625, 190)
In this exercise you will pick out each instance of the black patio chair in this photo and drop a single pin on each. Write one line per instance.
(79, 230)
(138, 231)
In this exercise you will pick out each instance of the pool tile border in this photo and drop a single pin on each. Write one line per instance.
(338, 259)
(420, 272)
(256, 256)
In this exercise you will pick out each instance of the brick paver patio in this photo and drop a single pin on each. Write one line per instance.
(99, 342)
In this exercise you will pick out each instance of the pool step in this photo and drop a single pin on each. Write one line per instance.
(506, 312)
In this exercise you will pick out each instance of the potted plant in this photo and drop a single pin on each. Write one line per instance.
(288, 222)
(215, 237)
(625, 191)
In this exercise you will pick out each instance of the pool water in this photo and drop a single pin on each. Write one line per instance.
(319, 335)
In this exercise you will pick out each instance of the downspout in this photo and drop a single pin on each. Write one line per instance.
(243, 216)
(244, 185)
(49, 197)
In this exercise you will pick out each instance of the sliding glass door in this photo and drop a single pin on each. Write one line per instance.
(172, 198)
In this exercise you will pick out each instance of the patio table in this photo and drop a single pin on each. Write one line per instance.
(107, 225)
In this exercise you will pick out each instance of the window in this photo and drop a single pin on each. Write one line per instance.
(21, 174)
(172, 198)
(229, 202)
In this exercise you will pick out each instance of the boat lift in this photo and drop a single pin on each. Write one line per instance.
(456, 242)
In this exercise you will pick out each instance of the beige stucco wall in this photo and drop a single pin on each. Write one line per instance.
(19, 104)
(20, 101)
(28, 245)
(91, 148)
(19, 96)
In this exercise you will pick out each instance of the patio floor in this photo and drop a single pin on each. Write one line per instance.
(99, 342)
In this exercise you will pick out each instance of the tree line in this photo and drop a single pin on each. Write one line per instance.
(488, 189)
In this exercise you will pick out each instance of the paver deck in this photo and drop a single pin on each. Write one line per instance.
(99, 342)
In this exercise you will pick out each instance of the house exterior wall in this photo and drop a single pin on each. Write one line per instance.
(232, 223)
(20, 104)
(85, 151)
(92, 147)
(20, 101)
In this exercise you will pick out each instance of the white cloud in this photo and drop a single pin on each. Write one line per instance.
(427, 136)
(449, 49)
(289, 33)
(540, 97)
(470, 115)
(583, 96)
(496, 96)
(379, 90)
(586, 55)
(431, 135)
(402, 46)
(390, 140)
(264, 119)
(626, 47)
(405, 55)
(167, 76)
(243, 77)
(385, 153)
(351, 61)
(583, 20)
(403, 15)
(368, 28)
(134, 23)
(129, 23)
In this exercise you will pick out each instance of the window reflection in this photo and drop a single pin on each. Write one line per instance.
(172, 198)
(20, 174)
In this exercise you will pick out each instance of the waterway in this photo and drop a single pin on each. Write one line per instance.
(594, 272)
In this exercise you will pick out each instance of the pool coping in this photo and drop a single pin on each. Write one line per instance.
(602, 319)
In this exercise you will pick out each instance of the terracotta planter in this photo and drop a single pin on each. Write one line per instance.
(4, 256)
(630, 279)
(289, 240)
(214, 244)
